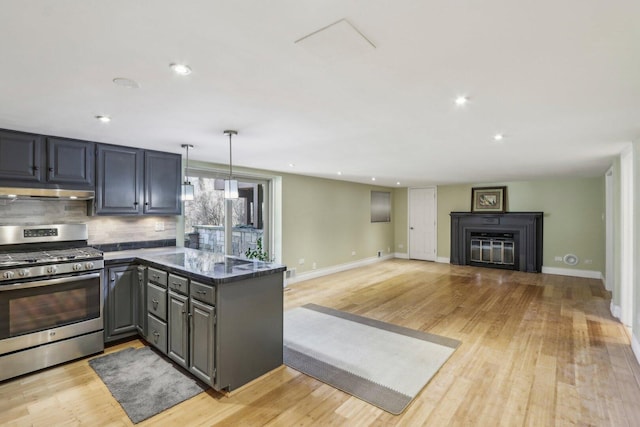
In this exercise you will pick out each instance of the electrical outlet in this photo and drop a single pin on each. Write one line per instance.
(379, 254)
(400, 246)
(313, 266)
(558, 258)
(388, 249)
(588, 261)
(291, 273)
(353, 253)
(159, 226)
(301, 261)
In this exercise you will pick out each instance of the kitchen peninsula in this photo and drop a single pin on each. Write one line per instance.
(219, 317)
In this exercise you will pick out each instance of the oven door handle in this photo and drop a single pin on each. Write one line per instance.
(48, 282)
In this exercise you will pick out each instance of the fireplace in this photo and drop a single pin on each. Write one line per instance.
(501, 240)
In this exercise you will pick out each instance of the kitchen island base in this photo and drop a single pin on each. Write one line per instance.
(249, 336)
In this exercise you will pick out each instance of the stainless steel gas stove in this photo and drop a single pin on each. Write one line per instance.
(51, 297)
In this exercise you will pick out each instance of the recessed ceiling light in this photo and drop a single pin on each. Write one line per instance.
(339, 173)
(498, 137)
(104, 119)
(125, 82)
(181, 69)
(398, 183)
(292, 165)
(373, 178)
(462, 100)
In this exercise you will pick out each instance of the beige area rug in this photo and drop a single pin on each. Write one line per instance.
(383, 364)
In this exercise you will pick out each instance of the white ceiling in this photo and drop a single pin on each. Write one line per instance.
(561, 79)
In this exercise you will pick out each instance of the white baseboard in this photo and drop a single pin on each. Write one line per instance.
(616, 311)
(402, 255)
(635, 346)
(588, 274)
(314, 274)
(443, 260)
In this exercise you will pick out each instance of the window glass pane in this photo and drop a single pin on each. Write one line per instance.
(204, 216)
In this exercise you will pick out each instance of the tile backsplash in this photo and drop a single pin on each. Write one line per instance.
(102, 229)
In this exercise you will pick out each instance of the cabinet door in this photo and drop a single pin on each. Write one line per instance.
(141, 307)
(120, 302)
(202, 339)
(178, 328)
(119, 179)
(162, 183)
(70, 162)
(21, 157)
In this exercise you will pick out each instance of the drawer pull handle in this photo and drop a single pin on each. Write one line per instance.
(201, 292)
(157, 336)
(155, 303)
(176, 284)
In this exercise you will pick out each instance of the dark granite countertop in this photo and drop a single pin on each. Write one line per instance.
(210, 267)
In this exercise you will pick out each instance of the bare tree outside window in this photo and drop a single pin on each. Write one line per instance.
(207, 207)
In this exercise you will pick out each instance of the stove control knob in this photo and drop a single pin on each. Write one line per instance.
(89, 265)
(52, 269)
(24, 272)
(77, 267)
(8, 275)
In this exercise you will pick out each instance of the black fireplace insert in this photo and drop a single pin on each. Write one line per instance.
(502, 240)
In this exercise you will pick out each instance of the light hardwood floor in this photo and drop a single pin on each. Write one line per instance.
(537, 350)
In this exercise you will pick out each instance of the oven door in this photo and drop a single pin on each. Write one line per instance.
(37, 312)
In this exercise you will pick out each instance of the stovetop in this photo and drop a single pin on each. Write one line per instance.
(28, 258)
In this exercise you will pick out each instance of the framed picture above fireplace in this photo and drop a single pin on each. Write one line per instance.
(488, 199)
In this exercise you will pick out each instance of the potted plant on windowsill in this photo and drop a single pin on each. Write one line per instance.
(258, 252)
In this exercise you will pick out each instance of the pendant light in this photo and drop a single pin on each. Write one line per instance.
(187, 188)
(230, 185)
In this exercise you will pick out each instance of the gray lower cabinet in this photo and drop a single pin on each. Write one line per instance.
(202, 339)
(178, 345)
(141, 306)
(157, 308)
(191, 326)
(121, 286)
(157, 333)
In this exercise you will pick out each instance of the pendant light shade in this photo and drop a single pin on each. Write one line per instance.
(187, 188)
(230, 185)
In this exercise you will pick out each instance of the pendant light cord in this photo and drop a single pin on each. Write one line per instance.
(230, 158)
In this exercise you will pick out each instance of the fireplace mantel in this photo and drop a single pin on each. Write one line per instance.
(526, 225)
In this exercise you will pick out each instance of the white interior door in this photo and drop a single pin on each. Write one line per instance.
(422, 223)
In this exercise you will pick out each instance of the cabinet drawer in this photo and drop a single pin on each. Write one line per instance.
(157, 301)
(157, 335)
(179, 284)
(204, 293)
(158, 277)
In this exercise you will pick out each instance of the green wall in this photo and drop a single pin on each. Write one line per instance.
(324, 221)
(573, 216)
(400, 220)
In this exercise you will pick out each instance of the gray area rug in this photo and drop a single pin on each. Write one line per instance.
(143, 382)
(380, 363)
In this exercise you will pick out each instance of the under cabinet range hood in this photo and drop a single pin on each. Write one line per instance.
(45, 194)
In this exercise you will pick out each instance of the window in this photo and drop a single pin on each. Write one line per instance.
(204, 217)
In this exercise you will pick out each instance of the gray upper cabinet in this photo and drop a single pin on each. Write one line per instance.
(70, 162)
(134, 181)
(33, 160)
(20, 157)
(162, 183)
(119, 180)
